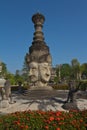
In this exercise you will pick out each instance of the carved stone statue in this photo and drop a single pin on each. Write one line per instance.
(72, 92)
(39, 74)
(6, 96)
(7, 87)
(3, 102)
(39, 59)
(70, 103)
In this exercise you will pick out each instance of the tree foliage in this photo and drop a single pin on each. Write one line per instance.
(65, 71)
(71, 71)
(3, 70)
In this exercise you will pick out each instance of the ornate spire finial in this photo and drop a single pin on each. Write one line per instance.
(39, 51)
(38, 20)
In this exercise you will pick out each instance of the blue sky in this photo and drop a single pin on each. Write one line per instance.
(65, 30)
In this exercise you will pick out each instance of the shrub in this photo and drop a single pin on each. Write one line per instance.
(60, 86)
(83, 85)
(41, 120)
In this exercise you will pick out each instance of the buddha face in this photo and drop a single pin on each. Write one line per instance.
(44, 71)
(39, 72)
(33, 73)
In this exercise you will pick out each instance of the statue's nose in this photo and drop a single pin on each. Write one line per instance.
(30, 72)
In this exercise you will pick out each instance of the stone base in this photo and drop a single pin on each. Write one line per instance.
(40, 88)
(70, 106)
(4, 103)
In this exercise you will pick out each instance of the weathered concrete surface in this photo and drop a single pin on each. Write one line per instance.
(48, 101)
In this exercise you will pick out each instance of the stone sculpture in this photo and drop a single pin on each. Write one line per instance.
(6, 97)
(7, 87)
(39, 59)
(70, 103)
(72, 92)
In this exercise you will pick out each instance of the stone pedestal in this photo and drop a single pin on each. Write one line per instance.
(4, 103)
(41, 88)
(70, 106)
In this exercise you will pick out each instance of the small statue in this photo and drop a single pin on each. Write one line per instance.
(2, 91)
(20, 90)
(7, 87)
(72, 92)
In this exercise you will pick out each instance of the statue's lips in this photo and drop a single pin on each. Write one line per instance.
(47, 75)
(33, 77)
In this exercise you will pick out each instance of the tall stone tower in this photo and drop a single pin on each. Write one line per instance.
(39, 51)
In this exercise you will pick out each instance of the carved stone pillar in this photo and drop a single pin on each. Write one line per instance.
(39, 59)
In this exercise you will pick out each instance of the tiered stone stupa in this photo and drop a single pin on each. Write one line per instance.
(38, 51)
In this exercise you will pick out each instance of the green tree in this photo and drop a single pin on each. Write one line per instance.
(75, 69)
(11, 77)
(18, 78)
(58, 73)
(3, 69)
(65, 71)
(84, 70)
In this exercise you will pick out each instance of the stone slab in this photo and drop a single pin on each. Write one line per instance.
(4, 103)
